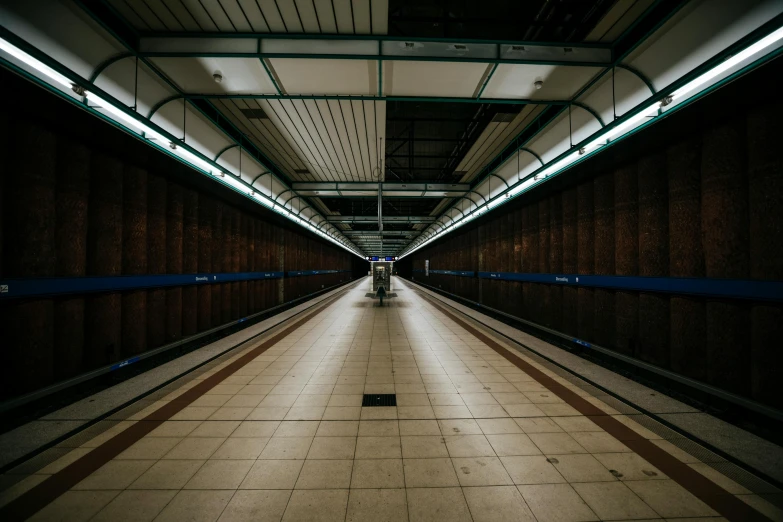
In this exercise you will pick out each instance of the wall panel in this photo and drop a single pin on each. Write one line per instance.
(688, 320)
(157, 198)
(134, 259)
(626, 248)
(604, 300)
(653, 339)
(30, 252)
(174, 231)
(104, 257)
(217, 263)
(206, 219)
(765, 200)
(86, 199)
(724, 186)
(73, 193)
(570, 308)
(189, 260)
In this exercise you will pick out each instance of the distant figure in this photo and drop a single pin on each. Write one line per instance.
(381, 293)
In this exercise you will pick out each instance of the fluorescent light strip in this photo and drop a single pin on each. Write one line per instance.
(233, 182)
(195, 160)
(263, 199)
(36, 64)
(125, 117)
(730, 63)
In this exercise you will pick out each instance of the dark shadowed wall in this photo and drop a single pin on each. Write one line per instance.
(698, 195)
(80, 198)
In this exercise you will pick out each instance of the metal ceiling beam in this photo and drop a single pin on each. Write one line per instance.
(358, 189)
(387, 186)
(375, 233)
(365, 38)
(361, 241)
(356, 47)
(386, 219)
(428, 140)
(416, 99)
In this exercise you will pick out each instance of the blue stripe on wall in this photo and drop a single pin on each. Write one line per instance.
(716, 288)
(460, 273)
(297, 273)
(19, 288)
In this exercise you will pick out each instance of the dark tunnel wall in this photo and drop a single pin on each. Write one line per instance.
(79, 198)
(697, 195)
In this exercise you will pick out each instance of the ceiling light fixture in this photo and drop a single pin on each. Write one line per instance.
(126, 118)
(730, 63)
(35, 63)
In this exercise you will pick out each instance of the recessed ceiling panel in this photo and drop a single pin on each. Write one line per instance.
(443, 79)
(518, 81)
(320, 76)
(195, 75)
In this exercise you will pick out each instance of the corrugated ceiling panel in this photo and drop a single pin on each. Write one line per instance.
(343, 11)
(380, 132)
(217, 15)
(346, 148)
(291, 19)
(362, 137)
(272, 16)
(285, 119)
(485, 139)
(264, 135)
(320, 141)
(380, 16)
(200, 15)
(372, 138)
(254, 15)
(183, 16)
(490, 144)
(352, 130)
(323, 9)
(308, 16)
(361, 16)
(259, 16)
(328, 126)
(317, 125)
(236, 15)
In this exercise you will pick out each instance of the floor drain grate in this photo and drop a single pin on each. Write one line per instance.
(379, 399)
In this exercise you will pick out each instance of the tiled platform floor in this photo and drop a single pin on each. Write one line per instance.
(285, 438)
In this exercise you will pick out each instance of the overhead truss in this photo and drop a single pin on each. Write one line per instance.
(358, 47)
(419, 190)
